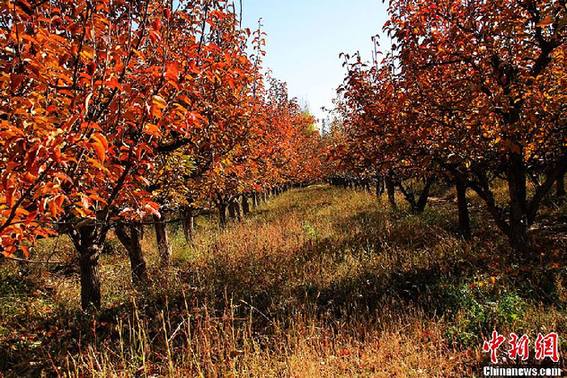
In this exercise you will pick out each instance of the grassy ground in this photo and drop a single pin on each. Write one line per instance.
(318, 282)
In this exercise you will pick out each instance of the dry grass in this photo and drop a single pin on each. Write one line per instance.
(318, 282)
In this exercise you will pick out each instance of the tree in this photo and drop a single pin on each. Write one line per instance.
(90, 96)
(505, 60)
(114, 114)
(471, 93)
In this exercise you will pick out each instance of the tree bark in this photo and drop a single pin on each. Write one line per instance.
(245, 205)
(222, 213)
(162, 241)
(130, 237)
(417, 207)
(462, 204)
(234, 210)
(379, 186)
(231, 211)
(90, 277)
(255, 200)
(89, 241)
(391, 189)
(188, 224)
(424, 196)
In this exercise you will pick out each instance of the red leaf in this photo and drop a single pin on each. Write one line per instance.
(172, 71)
(100, 145)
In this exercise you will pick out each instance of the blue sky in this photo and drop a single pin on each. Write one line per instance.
(305, 38)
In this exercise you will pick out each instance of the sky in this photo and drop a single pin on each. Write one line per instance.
(305, 38)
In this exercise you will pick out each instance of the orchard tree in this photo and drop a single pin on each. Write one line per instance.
(506, 61)
(382, 132)
(471, 92)
(92, 92)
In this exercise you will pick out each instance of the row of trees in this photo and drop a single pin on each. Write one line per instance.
(472, 92)
(115, 114)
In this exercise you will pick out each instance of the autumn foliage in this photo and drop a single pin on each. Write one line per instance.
(472, 92)
(116, 113)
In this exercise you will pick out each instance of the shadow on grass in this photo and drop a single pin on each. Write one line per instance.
(380, 260)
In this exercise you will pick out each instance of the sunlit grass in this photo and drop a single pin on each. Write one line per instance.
(316, 282)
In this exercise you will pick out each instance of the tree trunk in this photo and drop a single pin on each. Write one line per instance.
(519, 237)
(462, 204)
(379, 186)
(514, 222)
(89, 241)
(90, 277)
(188, 224)
(391, 189)
(130, 237)
(417, 207)
(560, 186)
(424, 196)
(255, 200)
(162, 241)
(222, 213)
(231, 211)
(245, 205)
(234, 209)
